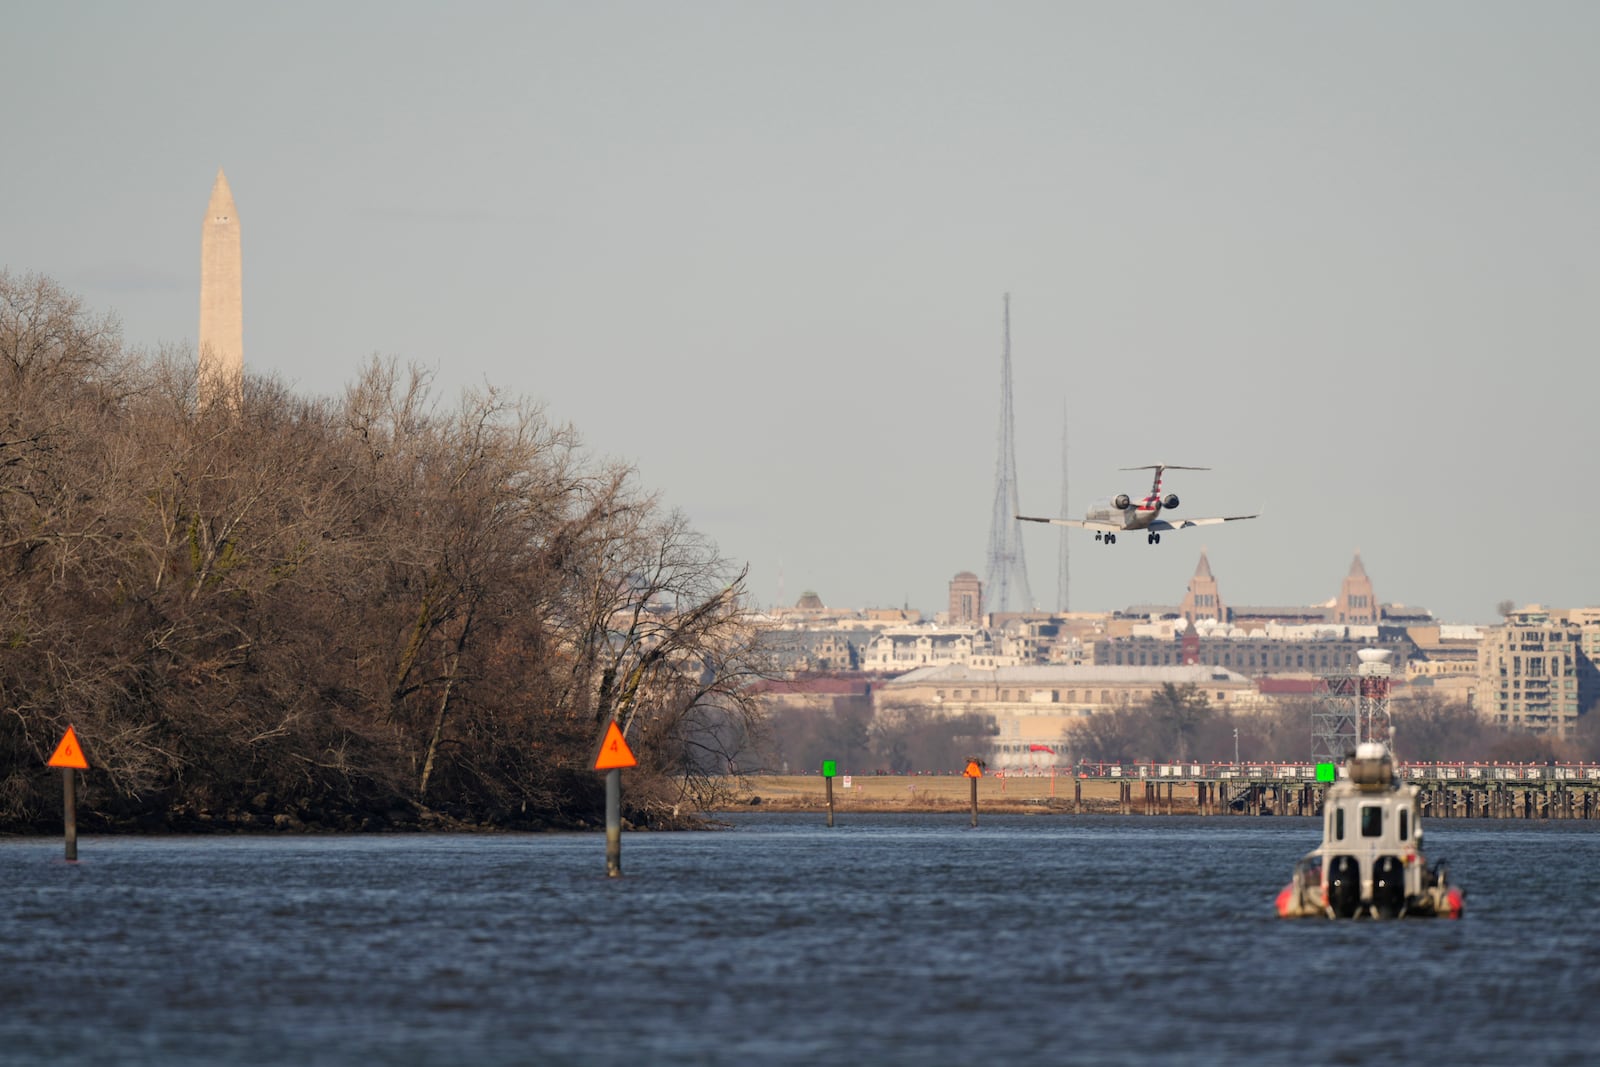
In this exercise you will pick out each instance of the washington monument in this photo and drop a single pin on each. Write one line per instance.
(221, 301)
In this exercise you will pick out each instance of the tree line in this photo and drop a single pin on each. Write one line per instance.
(1179, 724)
(364, 611)
(1176, 724)
(902, 739)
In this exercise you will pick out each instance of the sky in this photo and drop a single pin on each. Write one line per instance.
(1341, 253)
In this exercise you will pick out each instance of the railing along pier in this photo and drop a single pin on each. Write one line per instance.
(1446, 790)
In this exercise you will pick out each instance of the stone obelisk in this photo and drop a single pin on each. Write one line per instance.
(221, 301)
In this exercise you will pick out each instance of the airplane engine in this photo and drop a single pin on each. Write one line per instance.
(1121, 501)
(1171, 503)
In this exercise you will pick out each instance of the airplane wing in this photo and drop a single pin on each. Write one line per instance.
(1163, 526)
(1081, 524)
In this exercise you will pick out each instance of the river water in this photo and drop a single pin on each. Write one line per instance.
(889, 939)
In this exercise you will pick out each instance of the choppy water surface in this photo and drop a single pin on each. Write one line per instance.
(888, 939)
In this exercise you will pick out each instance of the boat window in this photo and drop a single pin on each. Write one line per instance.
(1338, 824)
(1371, 821)
(1405, 824)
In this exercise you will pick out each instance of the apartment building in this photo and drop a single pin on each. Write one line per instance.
(1532, 670)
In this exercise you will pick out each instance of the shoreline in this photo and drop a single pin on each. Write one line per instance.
(939, 793)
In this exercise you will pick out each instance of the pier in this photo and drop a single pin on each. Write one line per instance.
(1447, 790)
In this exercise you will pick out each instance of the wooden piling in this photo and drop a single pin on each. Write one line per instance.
(614, 822)
(69, 811)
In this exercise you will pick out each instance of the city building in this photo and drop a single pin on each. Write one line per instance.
(1037, 705)
(1203, 600)
(1529, 672)
(1443, 661)
(814, 693)
(1539, 671)
(815, 651)
(1271, 649)
(1309, 640)
(1356, 604)
(966, 600)
(908, 648)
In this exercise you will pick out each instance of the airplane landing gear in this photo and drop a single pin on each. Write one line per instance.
(1155, 539)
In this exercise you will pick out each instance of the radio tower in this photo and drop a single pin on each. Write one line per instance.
(1008, 570)
(1063, 579)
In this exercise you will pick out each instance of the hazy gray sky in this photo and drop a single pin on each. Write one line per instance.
(1343, 253)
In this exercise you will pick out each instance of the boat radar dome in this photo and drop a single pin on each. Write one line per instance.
(1372, 769)
(1374, 655)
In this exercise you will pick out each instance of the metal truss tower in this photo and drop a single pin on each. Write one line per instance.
(1354, 708)
(1334, 731)
(1006, 585)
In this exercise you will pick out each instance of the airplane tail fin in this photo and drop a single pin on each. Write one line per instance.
(1155, 483)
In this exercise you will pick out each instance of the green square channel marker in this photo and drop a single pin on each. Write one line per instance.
(1326, 772)
(828, 768)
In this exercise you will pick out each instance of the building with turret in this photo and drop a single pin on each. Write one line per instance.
(1356, 604)
(1203, 600)
(1260, 641)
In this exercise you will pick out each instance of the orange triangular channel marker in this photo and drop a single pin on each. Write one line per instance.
(973, 770)
(614, 751)
(69, 753)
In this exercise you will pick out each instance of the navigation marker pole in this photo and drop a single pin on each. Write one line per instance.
(614, 755)
(69, 812)
(69, 757)
(829, 770)
(973, 772)
(614, 823)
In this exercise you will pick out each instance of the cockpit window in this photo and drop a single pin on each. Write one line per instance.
(1371, 821)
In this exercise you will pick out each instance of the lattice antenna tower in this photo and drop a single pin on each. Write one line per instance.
(1335, 719)
(1353, 708)
(1063, 568)
(1008, 570)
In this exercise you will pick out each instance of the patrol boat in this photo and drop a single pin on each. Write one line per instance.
(1370, 862)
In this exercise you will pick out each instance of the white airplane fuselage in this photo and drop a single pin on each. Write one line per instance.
(1136, 516)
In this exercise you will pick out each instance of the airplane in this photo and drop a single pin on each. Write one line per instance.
(1107, 518)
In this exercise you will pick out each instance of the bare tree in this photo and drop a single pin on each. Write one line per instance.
(1178, 715)
(294, 608)
(1117, 735)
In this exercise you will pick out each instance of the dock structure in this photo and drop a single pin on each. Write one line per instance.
(1448, 790)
